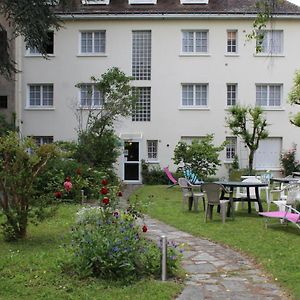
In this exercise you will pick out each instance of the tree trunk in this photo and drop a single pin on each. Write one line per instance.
(251, 158)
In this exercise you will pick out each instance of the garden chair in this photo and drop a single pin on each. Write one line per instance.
(243, 193)
(212, 191)
(288, 214)
(187, 194)
(170, 177)
(287, 195)
(191, 177)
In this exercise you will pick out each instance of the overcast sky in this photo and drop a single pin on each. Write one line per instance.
(295, 2)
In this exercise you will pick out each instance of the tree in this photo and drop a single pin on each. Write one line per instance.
(97, 143)
(21, 161)
(202, 157)
(294, 98)
(32, 19)
(249, 124)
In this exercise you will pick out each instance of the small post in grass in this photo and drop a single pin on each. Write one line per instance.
(82, 197)
(163, 242)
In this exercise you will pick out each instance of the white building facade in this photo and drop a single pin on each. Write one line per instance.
(190, 62)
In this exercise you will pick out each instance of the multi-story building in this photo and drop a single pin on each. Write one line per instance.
(190, 60)
(7, 87)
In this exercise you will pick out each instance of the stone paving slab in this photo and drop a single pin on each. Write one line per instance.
(215, 272)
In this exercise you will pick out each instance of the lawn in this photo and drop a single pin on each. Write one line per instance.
(276, 249)
(31, 269)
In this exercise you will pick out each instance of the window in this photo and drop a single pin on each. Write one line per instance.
(194, 94)
(268, 95)
(232, 41)
(41, 140)
(48, 46)
(230, 148)
(141, 55)
(152, 149)
(142, 110)
(272, 42)
(40, 95)
(93, 42)
(194, 41)
(231, 94)
(142, 1)
(3, 101)
(90, 96)
(193, 1)
(95, 2)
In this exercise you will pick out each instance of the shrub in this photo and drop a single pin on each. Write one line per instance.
(109, 243)
(152, 176)
(289, 162)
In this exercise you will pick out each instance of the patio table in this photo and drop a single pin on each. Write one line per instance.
(231, 185)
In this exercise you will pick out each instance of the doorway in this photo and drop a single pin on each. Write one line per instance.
(131, 161)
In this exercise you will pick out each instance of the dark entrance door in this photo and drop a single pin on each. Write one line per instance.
(131, 161)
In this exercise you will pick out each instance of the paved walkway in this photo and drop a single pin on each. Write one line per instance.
(215, 272)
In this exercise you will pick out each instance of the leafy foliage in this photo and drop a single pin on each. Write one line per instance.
(249, 124)
(21, 161)
(97, 143)
(266, 9)
(6, 126)
(294, 98)
(202, 157)
(108, 243)
(153, 175)
(288, 161)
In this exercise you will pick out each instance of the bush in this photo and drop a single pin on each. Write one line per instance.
(289, 162)
(109, 243)
(153, 176)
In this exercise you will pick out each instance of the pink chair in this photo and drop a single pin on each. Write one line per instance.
(170, 177)
(289, 215)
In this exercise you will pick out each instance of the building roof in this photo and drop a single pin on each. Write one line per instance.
(219, 7)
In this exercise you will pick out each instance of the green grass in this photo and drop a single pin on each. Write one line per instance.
(275, 249)
(30, 269)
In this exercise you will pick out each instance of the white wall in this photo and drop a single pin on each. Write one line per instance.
(169, 69)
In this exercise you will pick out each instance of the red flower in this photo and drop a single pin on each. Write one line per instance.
(105, 200)
(68, 185)
(119, 194)
(104, 182)
(58, 194)
(144, 228)
(78, 171)
(104, 190)
(68, 179)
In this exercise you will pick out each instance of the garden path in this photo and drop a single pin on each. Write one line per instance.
(214, 272)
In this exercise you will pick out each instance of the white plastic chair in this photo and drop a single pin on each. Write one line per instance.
(186, 191)
(288, 195)
(242, 193)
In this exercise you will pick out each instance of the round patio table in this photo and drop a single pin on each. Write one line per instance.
(231, 185)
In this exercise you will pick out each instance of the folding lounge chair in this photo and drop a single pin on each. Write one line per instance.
(191, 177)
(289, 215)
(170, 177)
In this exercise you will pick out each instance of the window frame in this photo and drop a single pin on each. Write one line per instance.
(3, 101)
(194, 39)
(93, 52)
(268, 85)
(39, 139)
(141, 58)
(228, 45)
(142, 114)
(230, 99)
(152, 150)
(91, 2)
(41, 92)
(230, 148)
(92, 106)
(270, 51)
(34, 52)
(142, 2)
(194, 105)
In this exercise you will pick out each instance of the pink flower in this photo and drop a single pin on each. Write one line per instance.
(68, 186)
